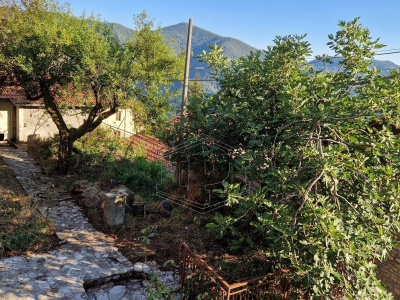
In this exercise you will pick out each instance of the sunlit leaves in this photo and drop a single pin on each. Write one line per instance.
(323, 146)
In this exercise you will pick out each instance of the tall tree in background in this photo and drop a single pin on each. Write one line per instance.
(54, 55)
(195, 87)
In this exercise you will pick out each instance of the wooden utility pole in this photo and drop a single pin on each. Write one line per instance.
(187, 65)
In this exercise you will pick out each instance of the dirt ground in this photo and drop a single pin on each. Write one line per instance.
(22, 229)
(155, 238)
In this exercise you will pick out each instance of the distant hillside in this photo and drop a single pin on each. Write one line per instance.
(120, 31)
(176, 36)
(384, 65)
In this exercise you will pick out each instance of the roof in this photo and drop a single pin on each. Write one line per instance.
(16, 96)
(154, 149)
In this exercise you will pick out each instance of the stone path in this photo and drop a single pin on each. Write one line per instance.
(85, 257)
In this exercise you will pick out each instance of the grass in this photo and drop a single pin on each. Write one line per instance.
(22, 228)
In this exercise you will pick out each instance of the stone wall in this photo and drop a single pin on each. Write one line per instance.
(389, 272)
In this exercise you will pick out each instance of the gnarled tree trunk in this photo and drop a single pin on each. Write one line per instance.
(64, 152)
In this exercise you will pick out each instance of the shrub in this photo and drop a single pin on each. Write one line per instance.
(324, 147)
(43, 148)
(140, 175)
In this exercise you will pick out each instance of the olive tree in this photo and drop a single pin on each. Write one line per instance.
(56, 56)
(324, 146)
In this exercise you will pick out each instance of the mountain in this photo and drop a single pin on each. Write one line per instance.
(176, 36)
(384, 65)
(120, 31)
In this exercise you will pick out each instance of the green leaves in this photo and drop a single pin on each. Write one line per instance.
(322, 146)
(67, 60)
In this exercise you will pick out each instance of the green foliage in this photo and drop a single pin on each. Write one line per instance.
(21, 227)
(140, 175)
(157, 289)
(43, 149)
(103, 154)
(148, 232)
(25, 237)
(54, 55)
(325, 148)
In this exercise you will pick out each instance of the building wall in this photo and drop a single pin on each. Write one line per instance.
(5, 120)
(125, 125)
(34, 120)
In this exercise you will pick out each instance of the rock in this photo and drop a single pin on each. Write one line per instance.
(141, 267)
(114, 209)
(130, 198)
(92, 197)
(108, 185)
(103, 296)
(117, 292)
(82, 184)
(44, 285)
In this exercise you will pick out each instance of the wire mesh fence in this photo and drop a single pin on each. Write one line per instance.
(200, 281)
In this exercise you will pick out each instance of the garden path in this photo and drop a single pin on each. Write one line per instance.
(84, 257)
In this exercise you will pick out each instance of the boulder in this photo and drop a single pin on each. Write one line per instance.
(82, 184)
(92, 197)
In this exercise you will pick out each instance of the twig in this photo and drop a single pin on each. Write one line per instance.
(285, 126)
(335, 195)
(332, 141)
(345, 118)
(352, 206)
(308, 189)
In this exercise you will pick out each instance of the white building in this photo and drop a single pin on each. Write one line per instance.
(20, 118)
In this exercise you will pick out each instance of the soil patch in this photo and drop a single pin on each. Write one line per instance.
(154, 238)
(23, 229)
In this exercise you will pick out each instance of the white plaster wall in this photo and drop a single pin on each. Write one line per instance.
(36, 120)
(125, 125)
(5, 119)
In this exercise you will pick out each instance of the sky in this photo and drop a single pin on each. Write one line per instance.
(257, 22)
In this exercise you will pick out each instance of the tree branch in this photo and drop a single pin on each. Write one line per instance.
(307, 191)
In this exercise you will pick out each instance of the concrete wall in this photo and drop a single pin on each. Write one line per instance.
(5, 120)
(36, 120)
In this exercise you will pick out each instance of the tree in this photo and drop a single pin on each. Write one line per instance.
(324, 147)
(53, 55)
(195, 87)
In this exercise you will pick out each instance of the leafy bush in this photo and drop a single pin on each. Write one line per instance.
(43, 148)
(104, 155)
(325, 148)
(140, 175)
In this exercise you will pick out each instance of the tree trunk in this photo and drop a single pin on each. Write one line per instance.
(64, 152)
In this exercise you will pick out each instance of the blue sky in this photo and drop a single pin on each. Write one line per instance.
(257, 22)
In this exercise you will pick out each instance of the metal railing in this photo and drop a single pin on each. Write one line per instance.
(200, 281)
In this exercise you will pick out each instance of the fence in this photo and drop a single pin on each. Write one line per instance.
(198, 278)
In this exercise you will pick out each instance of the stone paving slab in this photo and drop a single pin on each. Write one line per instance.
(85, 254)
